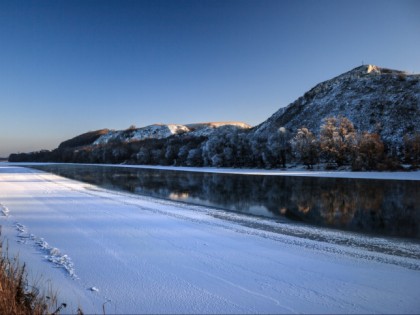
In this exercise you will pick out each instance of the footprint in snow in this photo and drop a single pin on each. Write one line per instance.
(53, 254)
(4, 210)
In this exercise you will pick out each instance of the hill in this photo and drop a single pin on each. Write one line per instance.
(375, 99)
(83, 139)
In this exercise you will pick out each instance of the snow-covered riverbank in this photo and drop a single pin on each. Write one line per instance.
(144, 255)
(296, 171)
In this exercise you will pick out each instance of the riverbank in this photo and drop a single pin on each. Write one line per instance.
(134, 254)
(292, 171)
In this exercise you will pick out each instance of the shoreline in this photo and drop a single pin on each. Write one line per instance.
(298, 171)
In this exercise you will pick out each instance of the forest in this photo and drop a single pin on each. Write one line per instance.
(336, 145)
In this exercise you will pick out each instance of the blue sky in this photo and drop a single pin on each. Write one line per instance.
(68, 67)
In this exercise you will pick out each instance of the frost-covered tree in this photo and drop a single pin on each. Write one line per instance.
(412, 148)
(369, 152)
(194, 157)
(143, 156)
(212, 147)
(221, 148)
(171, 153)
(305, 147)
(337, 140)
(257, 147)
(242, 152)
(182, 155)
(278, 144)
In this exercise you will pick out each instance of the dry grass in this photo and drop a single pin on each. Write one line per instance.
(17, 296)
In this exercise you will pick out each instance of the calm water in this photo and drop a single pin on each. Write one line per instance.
(384, 207)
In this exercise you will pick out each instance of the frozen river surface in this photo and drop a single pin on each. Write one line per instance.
(133, 254)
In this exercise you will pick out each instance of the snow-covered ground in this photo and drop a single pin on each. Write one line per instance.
(295, 171)
(133, 254)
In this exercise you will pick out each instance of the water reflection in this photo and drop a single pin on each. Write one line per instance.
(378, 206)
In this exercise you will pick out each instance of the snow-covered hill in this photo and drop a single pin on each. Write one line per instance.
(161, 131)
(375, 99)
(157, 131)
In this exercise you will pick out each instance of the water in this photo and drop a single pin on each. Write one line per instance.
(382, 207)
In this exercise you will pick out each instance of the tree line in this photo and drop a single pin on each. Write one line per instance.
(337, 144)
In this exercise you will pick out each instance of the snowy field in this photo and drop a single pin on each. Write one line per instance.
(133, 254)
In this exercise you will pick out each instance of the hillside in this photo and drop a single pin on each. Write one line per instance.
(375, 99)
(162, 131)
(83, 139)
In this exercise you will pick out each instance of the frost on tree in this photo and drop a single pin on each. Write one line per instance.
(337, 140)
(305, 147)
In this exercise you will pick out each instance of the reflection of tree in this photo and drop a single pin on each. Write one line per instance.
(304, 193)
(388, 207)
(338, 205)
(370, 198)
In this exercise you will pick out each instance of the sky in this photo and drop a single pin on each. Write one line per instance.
(68, 67)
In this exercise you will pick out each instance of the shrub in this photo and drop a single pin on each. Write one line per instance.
(17, 297)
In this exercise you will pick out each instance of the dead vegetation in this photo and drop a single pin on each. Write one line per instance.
(17, 296)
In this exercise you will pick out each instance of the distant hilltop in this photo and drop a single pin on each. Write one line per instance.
(366, 118)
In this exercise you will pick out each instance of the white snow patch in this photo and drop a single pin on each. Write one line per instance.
(298, 171)
(4, 210)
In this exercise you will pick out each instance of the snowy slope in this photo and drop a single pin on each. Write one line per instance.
(161, 131)
(142, 255)
(156, 131)
(375, 99)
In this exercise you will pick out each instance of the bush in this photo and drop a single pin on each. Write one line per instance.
(17, 297)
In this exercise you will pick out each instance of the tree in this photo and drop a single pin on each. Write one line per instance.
(412, 148)
(277, 145)
(171, 153)
(143, 156)
(305, 147)
(283, 145)
(194, 157)
(369, 152)
(257, 145)
(211, 148)
(337, 140)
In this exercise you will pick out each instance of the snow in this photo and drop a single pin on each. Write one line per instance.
(415, 175)
(157, 131)
(134, 254)
(296, 171)
(162, 131)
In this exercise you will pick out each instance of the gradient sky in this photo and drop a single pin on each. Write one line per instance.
(67, 67)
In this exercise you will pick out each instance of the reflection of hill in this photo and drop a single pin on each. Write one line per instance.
(386, 207)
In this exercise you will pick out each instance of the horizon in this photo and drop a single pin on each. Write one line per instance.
(72, 67)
